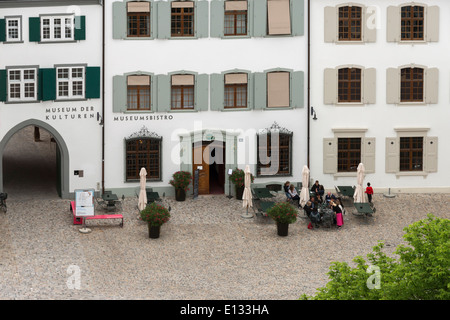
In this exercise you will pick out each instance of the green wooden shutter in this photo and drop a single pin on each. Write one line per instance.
(217, 92)
(92, 87)
(217, 18)
(3, 86)
(2, 30)
(201, 92)
(47, 84)
(297, 17)
(202, 19)
(35, 29)
(154, 19)
(119, 93)
(163, 93)
(260, 90)
(164, 20)
(250, 90)
(259, 18)
(119, 20)
(297, 89)
(80, 28)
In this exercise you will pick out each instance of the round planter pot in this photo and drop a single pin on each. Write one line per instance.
(180, 194)
(239, 192)
(282, 229)
(153, 231)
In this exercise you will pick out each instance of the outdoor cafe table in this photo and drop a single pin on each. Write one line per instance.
(363, 208)
(110, 198)
(346, 191)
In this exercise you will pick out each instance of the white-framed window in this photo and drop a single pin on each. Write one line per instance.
(57, 28)
(70, 82)
(13, 29)
(22, 84)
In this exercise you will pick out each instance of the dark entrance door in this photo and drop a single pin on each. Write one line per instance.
(209, 158)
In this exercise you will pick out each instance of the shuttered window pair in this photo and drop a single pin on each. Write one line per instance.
(46, 84)
(257, 18)
(350, 84)
(412, 23)
(412, 152)
(160, 19)
(349, 23)
(412, 84)
(48, 28)
(346, 150)
(160, 93)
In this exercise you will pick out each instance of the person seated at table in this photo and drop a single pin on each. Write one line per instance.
(312, 213)
(286, 189)
(308, 208)
(293, 193)
(329, 197)
(315, 187)
(320, 193)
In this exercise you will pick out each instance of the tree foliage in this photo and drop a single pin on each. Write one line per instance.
(422, 271)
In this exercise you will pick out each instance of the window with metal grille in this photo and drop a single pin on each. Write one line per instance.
(411, 153)
(143, 152)
(350, 21)
(349, 85)
(349, 154)
(412, 23)
(182, 21)
(282, 154)
(411, 86)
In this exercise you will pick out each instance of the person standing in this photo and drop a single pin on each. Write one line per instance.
(369, 191)
(338, 211)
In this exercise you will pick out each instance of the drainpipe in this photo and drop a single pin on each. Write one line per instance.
(103, 96)
(308, 86)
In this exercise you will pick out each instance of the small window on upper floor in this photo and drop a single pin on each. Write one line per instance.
(138, 92)
(182, 92)
(138, 19)
(349, 85)
(412, 23)
(350, 21)
(22, 84)
(278, 17)
(182, 19)
(236, 18)
(13, 29)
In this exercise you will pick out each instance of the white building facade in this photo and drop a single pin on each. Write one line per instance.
(50, 78)
(379, 91)
(196, 85)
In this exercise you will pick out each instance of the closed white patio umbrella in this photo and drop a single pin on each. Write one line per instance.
(247, 195)
(359, 195)
(304, 193)
(142, 200)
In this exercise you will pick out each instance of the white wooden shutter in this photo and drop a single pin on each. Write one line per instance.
(431, 149)
(330, 86)
(368, 149)
(432, 24)
(392, 155)
(369, 86)
(330, 24)
(329, 155)
(431, 85)
(393, 24)
(370, 24)
(392, 85)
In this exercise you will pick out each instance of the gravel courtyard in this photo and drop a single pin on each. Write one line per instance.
(206, 251)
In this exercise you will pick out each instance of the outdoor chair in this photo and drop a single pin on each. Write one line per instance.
(261, 206)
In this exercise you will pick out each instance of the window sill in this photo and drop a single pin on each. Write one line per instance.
(358, 42)
(423, 174)
(13, 41)
(235, 109)
(21, 101)
(344, 174)
(236, 36)
(67, 100)
(350, 104)
(412, 103)
(139, 38)
(182, 110)
(57, 41)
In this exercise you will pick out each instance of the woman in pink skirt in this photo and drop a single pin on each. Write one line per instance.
(338, 211)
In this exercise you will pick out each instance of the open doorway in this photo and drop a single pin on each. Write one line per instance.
(209, 159)
(31, 165)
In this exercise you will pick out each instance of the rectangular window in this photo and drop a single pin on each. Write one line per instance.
(138, 19)
(281, 155)
(349, 85)
(411, 153)
(349, 154)
(278, 17)
(411, 85)
(13, 29)
(57, 28)
(144, 152)
(70, 82)
(278, 89)
(412, 23)
(182, 19)
(236, 90)
(138, 93)
(350, 21)
(22, 84)
(182, 92)
(235, 18)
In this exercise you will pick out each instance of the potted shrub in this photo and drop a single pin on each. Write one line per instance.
(181, 181)
(283, 214)
(237, 177)
(155, 215)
